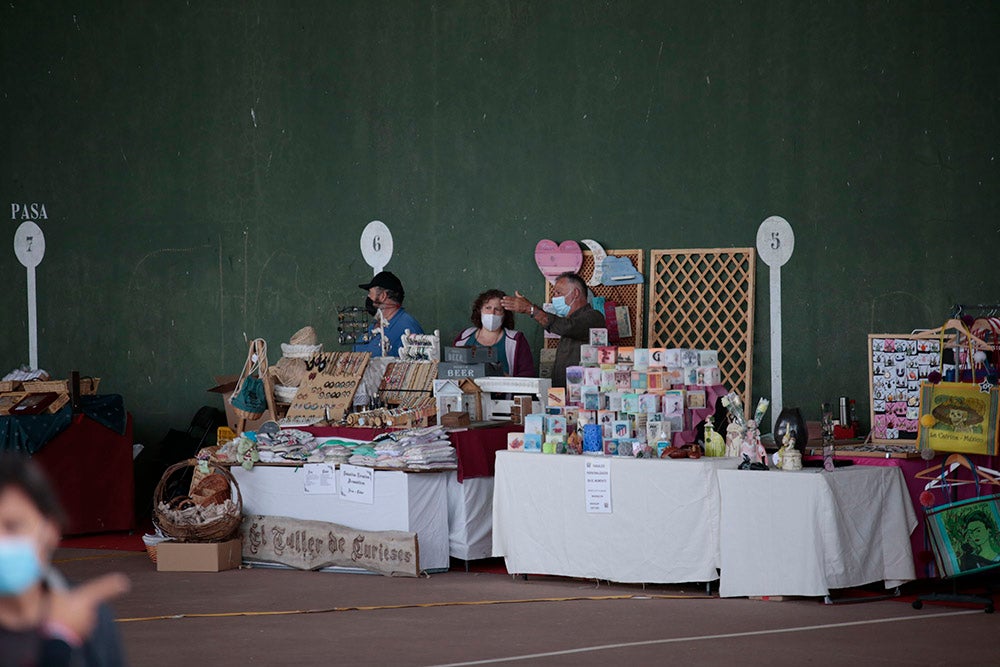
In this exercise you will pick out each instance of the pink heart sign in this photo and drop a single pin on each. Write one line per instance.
(554, 259)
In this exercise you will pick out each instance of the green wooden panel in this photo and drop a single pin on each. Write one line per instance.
(207, 168)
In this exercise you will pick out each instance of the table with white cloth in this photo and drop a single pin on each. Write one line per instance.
(470, 517)
(470, 488)
(663, 527)
(415, 502)
(809, 531)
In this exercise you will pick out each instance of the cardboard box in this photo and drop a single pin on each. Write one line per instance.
(455, 419)
(225, 384)
(198, 556)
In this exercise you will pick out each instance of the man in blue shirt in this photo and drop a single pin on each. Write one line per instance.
(386, 294)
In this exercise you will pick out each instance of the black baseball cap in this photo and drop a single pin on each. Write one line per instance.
(385, 280)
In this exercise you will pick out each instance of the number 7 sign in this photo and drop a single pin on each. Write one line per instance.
(29, 247)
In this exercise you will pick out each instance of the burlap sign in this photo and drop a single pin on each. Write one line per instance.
(312, 545)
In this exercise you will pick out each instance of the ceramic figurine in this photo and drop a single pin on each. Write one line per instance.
(751, 450)
(574, 443)
(733, 439)
(791, 458)
(714, 444)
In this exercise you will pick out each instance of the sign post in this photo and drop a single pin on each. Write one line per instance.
(29, 246)
(376, 245)
(775, 243)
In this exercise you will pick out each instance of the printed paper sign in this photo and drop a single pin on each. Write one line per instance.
(597, 485)
(320, 478)
(357, 484)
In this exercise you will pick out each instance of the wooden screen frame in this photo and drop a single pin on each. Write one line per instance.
(686, 291)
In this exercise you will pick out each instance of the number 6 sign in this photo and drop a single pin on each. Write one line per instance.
(376, 245)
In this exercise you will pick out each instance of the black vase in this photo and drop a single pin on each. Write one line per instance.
(790, 421)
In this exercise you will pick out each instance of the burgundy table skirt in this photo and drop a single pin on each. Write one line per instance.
(90, 467)
(475, 447)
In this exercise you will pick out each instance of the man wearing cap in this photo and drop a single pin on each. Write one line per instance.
(391, 320)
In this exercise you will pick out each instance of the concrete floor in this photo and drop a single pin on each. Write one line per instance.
(283, 617)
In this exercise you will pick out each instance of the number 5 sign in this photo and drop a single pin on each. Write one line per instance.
(775, 243)
(376, 245)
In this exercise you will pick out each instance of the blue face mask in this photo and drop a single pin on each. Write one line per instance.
(19, 566)
(560, 307)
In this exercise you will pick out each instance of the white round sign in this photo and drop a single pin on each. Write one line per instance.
(376, 245)
(29, 244)
(775, 241)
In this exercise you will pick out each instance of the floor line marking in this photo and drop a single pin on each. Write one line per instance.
(730, 635)
(409, 605)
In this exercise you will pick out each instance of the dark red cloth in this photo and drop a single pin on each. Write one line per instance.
(475, 448)
(90, 467)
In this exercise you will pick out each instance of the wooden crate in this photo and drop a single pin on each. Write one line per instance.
(43, 386)
(88, 386)
(58, 404)
(9, 400)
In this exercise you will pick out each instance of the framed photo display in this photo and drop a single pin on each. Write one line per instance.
(897, 365)
(965, 535)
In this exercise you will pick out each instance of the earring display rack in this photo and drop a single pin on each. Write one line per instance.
(405, 383)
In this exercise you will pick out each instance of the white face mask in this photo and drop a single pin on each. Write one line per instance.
(491, 321)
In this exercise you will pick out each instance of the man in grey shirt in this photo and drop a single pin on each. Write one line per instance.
(573, 319)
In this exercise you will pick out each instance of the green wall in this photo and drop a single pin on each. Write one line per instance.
(207, 167)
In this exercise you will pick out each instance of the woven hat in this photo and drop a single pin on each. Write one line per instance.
(304, 336)
(302, 345)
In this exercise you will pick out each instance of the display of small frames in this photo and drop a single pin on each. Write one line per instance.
(897, 364)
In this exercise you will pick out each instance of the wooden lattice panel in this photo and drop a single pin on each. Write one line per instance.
(704, 299)
(623, 295)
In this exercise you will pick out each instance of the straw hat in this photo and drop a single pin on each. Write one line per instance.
(302, 345)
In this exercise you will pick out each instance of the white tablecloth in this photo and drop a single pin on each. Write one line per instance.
(470, 517)
(413, 502)
(803, 533)
(664, 527)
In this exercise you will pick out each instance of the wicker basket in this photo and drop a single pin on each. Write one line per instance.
(300, 351)
(9, 385)
(283, 394)
(151, 542)
(218, 530)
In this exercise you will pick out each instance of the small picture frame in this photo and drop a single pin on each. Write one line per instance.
(34, 404)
